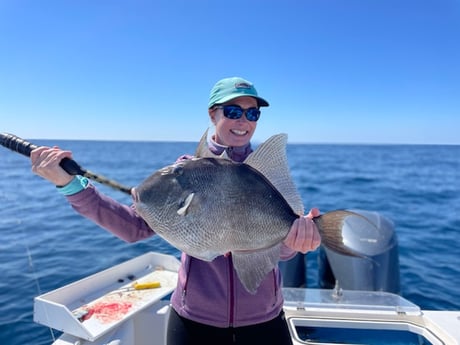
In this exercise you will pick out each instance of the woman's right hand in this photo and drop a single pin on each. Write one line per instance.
(45, 163)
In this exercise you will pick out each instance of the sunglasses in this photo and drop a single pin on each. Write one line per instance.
(234, 112)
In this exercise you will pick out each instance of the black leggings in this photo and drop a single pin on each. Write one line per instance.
(182, 331)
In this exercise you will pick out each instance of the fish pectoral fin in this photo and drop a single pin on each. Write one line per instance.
(188, 200)
(253, 266)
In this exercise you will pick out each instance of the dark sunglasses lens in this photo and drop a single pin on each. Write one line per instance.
(252, 114)
(233, 112)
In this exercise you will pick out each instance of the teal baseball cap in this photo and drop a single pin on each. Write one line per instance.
(229, 88)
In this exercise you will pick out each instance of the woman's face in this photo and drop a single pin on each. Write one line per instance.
(237, 132)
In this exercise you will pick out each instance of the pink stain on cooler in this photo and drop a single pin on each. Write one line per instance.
(107, 312)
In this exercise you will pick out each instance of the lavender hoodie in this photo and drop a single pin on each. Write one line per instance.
(207, 292)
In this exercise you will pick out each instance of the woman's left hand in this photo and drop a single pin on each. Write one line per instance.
(304, 236)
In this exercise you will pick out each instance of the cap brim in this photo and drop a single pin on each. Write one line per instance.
(260, 101)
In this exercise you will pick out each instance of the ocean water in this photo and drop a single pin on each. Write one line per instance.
(45, 244)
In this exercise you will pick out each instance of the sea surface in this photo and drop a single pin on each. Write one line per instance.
(45, 244)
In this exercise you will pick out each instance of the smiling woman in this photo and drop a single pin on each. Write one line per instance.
(230, 99)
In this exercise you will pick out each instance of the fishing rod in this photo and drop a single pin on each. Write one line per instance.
(24, 147)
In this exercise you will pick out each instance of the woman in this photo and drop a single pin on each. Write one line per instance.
(209, 305)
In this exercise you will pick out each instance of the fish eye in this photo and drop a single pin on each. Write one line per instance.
(178, 170)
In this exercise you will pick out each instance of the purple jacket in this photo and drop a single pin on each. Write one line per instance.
(207, 292)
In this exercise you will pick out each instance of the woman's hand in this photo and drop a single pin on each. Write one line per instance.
(304, 236)
(45, 163)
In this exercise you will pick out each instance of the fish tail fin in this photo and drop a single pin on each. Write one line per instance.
(332, 224)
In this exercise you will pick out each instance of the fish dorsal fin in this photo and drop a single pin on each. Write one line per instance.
(203, 151)
(270, 160)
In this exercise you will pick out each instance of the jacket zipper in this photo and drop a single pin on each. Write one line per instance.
(184, 291)
(232, 292)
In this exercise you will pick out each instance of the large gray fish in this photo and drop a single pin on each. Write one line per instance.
(210, 206)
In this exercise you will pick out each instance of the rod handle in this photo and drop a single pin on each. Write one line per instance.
(24, 147)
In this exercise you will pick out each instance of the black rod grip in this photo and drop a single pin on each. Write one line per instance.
(16, 144)
(24, 147)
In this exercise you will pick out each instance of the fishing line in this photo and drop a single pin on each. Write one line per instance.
(22, 240)
(34, 271)
(35, 275)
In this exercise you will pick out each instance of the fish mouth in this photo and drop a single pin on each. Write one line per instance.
(135, 195)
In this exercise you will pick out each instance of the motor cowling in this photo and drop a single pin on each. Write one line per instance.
(376, 266)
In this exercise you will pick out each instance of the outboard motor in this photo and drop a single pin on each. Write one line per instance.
(376, 268)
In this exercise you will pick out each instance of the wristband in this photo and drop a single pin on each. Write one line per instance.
(73, 187)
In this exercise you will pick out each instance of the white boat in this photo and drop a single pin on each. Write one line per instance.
(107, 308)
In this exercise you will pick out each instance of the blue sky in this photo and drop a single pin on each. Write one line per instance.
(350, 71)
